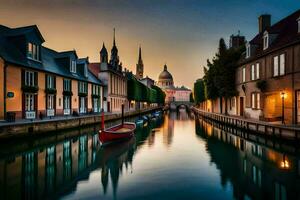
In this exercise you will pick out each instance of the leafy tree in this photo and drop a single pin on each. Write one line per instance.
(199, 91)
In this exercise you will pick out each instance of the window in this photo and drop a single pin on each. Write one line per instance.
(248, 50)
(244, 74)
(282, 64)
(266, 41)
(50, 81)
(73, 66)
(29, 102)
(255, 100)
(67, 102)
(279, 65)
(252, 72)
(82, 108)
(50, 102)
(67, 85)
(280, 191)
(257, 71)
(82, 87)
(29, 78)
(33, 51)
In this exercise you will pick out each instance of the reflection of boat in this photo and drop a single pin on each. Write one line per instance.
(119, 132)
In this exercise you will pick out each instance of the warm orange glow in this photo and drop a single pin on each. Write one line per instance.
(284, 164)
(283, 95)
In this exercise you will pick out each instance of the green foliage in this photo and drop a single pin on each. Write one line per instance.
(220, 72)
(137, 91)
(50, 91)
(30, 89)
(192, 98)
(199, 91)
(67, 93)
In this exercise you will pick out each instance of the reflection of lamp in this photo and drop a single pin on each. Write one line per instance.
(284, 164)
(283, 96)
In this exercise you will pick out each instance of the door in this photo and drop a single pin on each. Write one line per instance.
(241, 106)
(108, 106)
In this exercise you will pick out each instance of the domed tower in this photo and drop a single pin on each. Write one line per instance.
(165, 79)
(103, 54)
(140, 66)
(114, 57)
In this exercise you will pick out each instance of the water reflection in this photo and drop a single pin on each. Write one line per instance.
(256, 171)
(55, 169)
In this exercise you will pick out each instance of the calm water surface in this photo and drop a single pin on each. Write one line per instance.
(175, 157)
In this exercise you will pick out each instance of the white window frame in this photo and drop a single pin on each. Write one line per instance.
(257, 71)
(29, 78)
(67, 105)
(252, 72)
(73, 66)
(282, 64)
(82, 108)
(96, 106)
(82, 87)
(50, 82)
(275, 66)
(244, 74)
(33, 51)
(248, 50)
(279, 65)
(67, 85)
(50, 101)
(266, 41)
(29, 102)
(255, 100)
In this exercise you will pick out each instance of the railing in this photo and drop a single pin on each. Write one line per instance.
(67, 111)
(50, 112)
(30, 114)
(259, 127)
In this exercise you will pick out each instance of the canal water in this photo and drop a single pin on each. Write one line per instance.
(177, 156)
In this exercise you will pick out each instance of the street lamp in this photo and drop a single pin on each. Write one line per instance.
(282, 95)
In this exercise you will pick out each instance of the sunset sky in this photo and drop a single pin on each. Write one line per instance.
(181, 33)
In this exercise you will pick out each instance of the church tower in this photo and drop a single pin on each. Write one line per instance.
(114, 58)
(140, 66)
(103, 54)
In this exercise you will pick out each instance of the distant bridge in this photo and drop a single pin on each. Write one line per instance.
(175, 105)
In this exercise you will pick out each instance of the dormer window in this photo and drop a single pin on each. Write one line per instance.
(248, 50)
(266, 40)
(33, 51)
(73, 66)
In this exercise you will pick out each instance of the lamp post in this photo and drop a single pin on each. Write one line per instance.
(282, 94)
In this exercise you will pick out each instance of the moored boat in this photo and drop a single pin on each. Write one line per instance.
(122, 131)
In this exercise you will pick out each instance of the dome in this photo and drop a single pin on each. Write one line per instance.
(165, 74)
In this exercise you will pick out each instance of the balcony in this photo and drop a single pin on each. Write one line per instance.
(30, 114)
(67, 111)
(50, 112)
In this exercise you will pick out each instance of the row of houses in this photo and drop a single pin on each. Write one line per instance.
(268, 78)
(38, 82)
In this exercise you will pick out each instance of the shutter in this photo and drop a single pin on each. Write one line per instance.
(86, 104)
(54, 81)
(36, 79)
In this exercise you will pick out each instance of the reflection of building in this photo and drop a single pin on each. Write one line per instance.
(166, 83)
(255, 171)
(168, 128)
(111, 73)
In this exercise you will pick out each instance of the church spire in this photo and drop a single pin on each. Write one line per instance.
(140, 65)
(103, 54)
(114, 58)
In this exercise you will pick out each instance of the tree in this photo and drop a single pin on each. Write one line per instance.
(199, 91)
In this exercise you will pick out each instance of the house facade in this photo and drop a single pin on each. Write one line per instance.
(111, 74)
(267, 78)
(39, 82)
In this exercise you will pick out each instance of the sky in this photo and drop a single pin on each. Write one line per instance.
(180, 33)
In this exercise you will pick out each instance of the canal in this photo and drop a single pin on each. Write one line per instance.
(176, 156)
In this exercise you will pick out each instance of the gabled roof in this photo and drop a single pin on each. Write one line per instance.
(286, 32)
(49, 64)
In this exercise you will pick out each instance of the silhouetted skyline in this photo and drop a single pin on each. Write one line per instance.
(183, 34)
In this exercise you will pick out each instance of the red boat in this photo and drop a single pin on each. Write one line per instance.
(119, 132)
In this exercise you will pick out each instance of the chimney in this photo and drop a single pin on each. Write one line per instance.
(264, 22)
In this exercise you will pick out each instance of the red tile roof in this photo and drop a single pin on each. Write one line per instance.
(94, 68)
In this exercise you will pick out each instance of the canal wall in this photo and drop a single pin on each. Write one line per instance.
(255, 126)
(39, 127)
